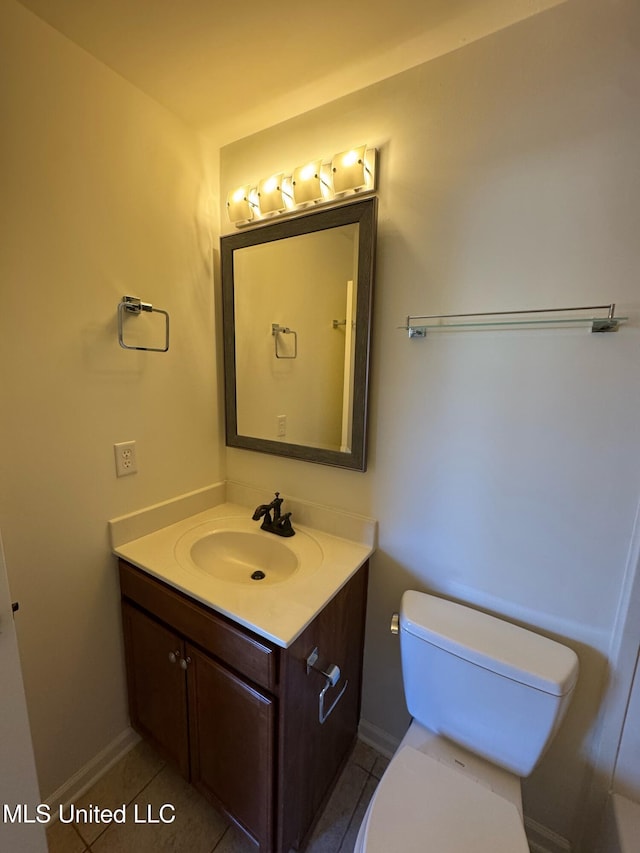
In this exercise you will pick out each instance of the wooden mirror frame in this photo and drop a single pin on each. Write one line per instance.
(363, 212)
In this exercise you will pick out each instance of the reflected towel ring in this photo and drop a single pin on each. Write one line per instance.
(277, 329)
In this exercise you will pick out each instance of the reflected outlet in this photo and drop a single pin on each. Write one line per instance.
(126, 462)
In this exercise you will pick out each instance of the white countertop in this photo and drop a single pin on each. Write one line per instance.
(279, 612)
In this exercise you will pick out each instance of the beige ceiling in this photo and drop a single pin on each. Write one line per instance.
(230, 69)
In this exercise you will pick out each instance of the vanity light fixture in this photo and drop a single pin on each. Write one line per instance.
(352, 171)
(240, 205)
(309, 184)
(272, 195)
(318, 182)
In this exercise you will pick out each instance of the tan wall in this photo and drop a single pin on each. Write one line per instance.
(504, 466)
(103, 193)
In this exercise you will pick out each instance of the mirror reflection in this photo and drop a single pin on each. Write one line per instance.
(284, 349)
(297, 298)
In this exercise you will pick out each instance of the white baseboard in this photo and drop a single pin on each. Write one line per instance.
(377, 738)
(88, 775)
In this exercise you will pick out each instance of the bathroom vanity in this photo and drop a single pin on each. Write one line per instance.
(260, 724)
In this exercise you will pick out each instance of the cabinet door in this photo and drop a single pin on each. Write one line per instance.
(232, 726)
(157, 685)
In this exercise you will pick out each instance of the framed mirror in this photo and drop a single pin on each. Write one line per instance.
(297, 298)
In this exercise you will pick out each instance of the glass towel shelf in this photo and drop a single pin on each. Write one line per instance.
(493, 319)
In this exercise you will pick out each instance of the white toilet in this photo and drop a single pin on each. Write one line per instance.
(486, 699)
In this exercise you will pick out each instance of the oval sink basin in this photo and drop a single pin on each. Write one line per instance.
(234, 555)
(235, 550)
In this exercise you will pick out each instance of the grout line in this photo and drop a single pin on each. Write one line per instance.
(77, 832)
(219, 841)
(83, 839)
(350, 821)
(146, 785)
(353, 814)
(106, 826)
(376, 780)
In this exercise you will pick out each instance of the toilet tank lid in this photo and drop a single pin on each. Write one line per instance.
(490, 642)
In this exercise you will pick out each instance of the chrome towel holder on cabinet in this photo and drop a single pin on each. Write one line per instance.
(133, 305)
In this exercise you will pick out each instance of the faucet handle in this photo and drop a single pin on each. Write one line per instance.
(276, 503)
(282, 525)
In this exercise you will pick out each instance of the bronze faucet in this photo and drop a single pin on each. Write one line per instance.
(276, 523)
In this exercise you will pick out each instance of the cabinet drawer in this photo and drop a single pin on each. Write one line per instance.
(245, 652)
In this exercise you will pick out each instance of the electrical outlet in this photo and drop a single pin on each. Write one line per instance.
(282, 425)
(126, 462)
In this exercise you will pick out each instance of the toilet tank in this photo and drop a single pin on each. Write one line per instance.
(497, 689)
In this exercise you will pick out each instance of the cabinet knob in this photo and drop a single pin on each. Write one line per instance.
(184, 663)
(173, 656)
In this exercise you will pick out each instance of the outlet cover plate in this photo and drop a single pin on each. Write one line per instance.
(126, 460)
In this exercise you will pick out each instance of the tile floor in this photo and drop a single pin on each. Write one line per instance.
(142, 778)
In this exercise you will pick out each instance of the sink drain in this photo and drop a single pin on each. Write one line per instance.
(258, 575)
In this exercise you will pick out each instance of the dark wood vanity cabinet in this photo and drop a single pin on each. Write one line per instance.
(238, 715)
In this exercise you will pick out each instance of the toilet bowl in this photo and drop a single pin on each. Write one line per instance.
(486, 699)
(436, 796)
